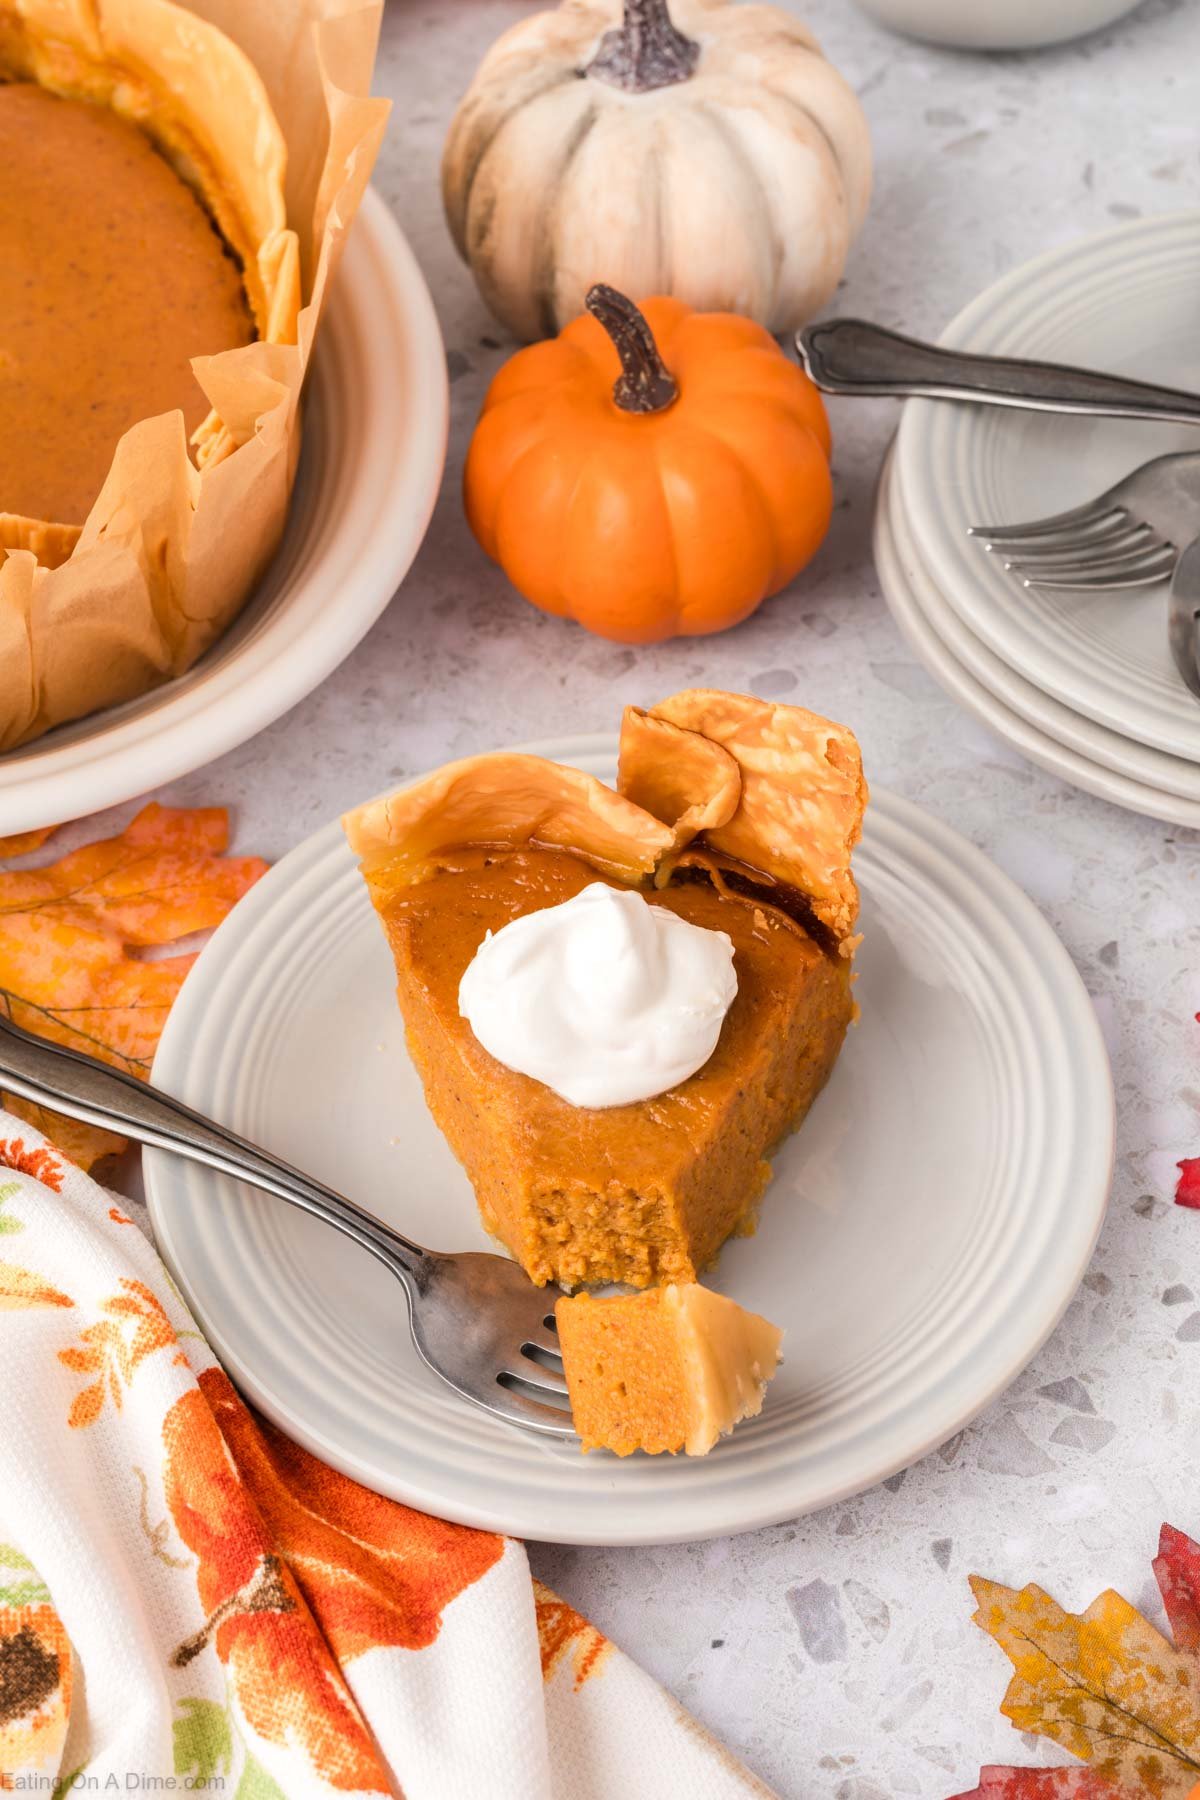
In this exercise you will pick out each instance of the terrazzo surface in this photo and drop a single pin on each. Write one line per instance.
(836, 1654)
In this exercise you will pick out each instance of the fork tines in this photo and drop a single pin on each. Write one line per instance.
(533, 1378)
(1091, 547)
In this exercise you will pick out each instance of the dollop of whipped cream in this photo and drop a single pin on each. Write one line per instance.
(605, 998)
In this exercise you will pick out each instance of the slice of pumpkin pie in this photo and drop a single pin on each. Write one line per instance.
(673, 1368)
(619, 1000)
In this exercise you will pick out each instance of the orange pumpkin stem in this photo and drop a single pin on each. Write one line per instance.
(645, 384)
(645, 51)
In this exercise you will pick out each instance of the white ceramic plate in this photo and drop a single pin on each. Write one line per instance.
(376, 413)
(1129, 301)
(923, 1234)
(1050, 734)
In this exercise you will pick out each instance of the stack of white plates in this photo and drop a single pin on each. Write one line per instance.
(1082, 684)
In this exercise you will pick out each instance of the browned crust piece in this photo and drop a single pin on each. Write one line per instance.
(802, 795)
(687, 781)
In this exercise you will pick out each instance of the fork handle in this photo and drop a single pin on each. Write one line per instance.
(852, 356)
(52, 1075)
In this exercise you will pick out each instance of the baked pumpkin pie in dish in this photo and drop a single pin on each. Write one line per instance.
(673, 1368)
(126, 294)
(662, 972)
(142, 224)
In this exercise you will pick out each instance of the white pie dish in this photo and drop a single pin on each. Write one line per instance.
(374, 444)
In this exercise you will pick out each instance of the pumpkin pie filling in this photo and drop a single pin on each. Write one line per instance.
(112, 277)
(671, 1369)
(643, 1193)
(736, 815)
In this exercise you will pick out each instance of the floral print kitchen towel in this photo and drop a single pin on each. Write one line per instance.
(190, 1602)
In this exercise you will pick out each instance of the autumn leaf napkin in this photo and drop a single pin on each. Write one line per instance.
(189, 1600)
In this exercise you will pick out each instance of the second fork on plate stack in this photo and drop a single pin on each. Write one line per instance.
(1028, 557)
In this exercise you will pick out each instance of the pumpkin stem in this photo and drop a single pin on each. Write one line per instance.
(645, 384)
(645, 51)
(264, 1592)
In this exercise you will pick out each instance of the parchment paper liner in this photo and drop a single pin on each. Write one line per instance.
(170, 550)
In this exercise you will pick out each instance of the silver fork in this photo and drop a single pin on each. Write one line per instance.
(1129, 536)
(852, 356)
(476, 1319)
(1183, 627)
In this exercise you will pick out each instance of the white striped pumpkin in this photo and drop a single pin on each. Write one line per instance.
(711, 153)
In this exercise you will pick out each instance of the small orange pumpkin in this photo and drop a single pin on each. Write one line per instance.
(652, 472)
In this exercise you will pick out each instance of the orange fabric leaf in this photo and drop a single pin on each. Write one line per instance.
(69, 932)
(287, 1683)
(1104, 1683)
(85, 1408)
(21, 1289)
(84, 1145)
(564, 1632)
(32, 1159)
(373, 1571)
(134, 1325)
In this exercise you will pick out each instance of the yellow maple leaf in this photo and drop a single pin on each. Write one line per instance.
(1105, 1684)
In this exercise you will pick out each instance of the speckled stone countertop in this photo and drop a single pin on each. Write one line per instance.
(836, 1654)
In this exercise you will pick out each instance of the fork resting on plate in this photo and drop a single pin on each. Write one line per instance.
(476, 1318)
(1135, 534)
(1128, 537)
